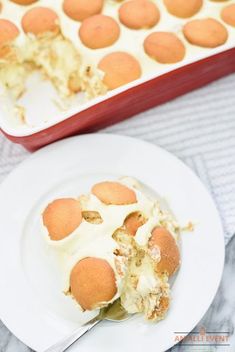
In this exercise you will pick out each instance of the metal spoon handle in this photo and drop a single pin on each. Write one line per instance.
(68, 341)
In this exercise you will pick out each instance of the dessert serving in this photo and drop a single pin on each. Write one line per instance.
(116, 242)
(77, 56)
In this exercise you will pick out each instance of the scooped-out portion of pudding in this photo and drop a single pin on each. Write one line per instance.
(41, 46)
(116, 242)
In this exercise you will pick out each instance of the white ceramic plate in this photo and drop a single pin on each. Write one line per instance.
(31, 303)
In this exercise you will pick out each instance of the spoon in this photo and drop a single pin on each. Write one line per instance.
(113, 312)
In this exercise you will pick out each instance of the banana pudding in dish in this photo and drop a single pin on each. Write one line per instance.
(87, 49)
(116, 242)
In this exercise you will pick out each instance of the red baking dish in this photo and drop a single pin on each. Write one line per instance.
(132, 100)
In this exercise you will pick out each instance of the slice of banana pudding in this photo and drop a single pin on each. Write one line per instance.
(115, 242)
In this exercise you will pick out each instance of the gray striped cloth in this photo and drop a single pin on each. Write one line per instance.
(199, 128)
